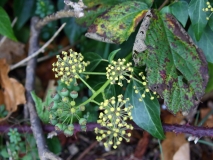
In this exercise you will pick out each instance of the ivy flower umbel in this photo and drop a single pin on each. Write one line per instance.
(69, 67)
(114, 118)
(209, 8)
(144, 88)
(118, 71)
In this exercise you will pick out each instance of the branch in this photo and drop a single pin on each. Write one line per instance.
(176, 128)
(39, 50)
(57, 15)
(29, 85)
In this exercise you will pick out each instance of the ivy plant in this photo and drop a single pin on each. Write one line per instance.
(168, 64)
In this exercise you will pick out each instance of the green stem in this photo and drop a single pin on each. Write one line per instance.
(105, 60)
(86, 84)
(94, 73)
(206, 142)
(161, 150)
(137, 80)
(96, 93)
(95, 102)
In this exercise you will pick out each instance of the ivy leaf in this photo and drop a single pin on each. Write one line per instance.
(23, 9)
(90, 16)
(205, 42)
(94, 60)
(5, 25)
(146, 113)
(209, 86)
(93, 3)
(40, 107)
(210, 22)
(180, 11)
(72, 30)
(198, 17)
(119, 22)
(112, 55)
(176, 68)
(54, 145)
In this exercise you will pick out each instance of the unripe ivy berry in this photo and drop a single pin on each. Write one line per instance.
(82, 121)
(58, 126)
(83, 128)
(64, 92)
(55, 97)
(70, 127)
(74, 94)
(68, 132)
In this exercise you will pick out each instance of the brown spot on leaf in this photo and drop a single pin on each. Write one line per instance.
(121, 26)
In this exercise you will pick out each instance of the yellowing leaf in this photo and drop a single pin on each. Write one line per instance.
(119, 22)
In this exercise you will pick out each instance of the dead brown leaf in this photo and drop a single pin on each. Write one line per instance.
(12, 51)
(203, 113)
(13, 91)
(173, 141)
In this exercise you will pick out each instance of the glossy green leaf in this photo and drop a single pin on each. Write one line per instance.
(93, 3)
(72, 30)
(120, 21)
(94, 60)
(146, 113)
(176, 69)
(112, 55)
(23, 10)
(198, 17)
(91, 15)
(5, 25)
(4, 153)
(210, 22)
(165, 9)
(180, 11)
(41, 107)
(205, 42)
(54, 145)
(209, 86)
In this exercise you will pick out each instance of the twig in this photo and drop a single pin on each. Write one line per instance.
(87, 150)
(44, 58)
(163, 4)
(39, 50)
(4, 38)
(29, 85)
(55, 16)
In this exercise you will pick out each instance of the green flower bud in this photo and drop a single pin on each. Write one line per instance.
(74, 94)
(59, 111)
(64, 92)
(65, 99)
(82, 121)
(82, 108)
(72, 103)
(72, 110)
(68, 132)
(84, 128)
(55, 97)
(70, 127)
